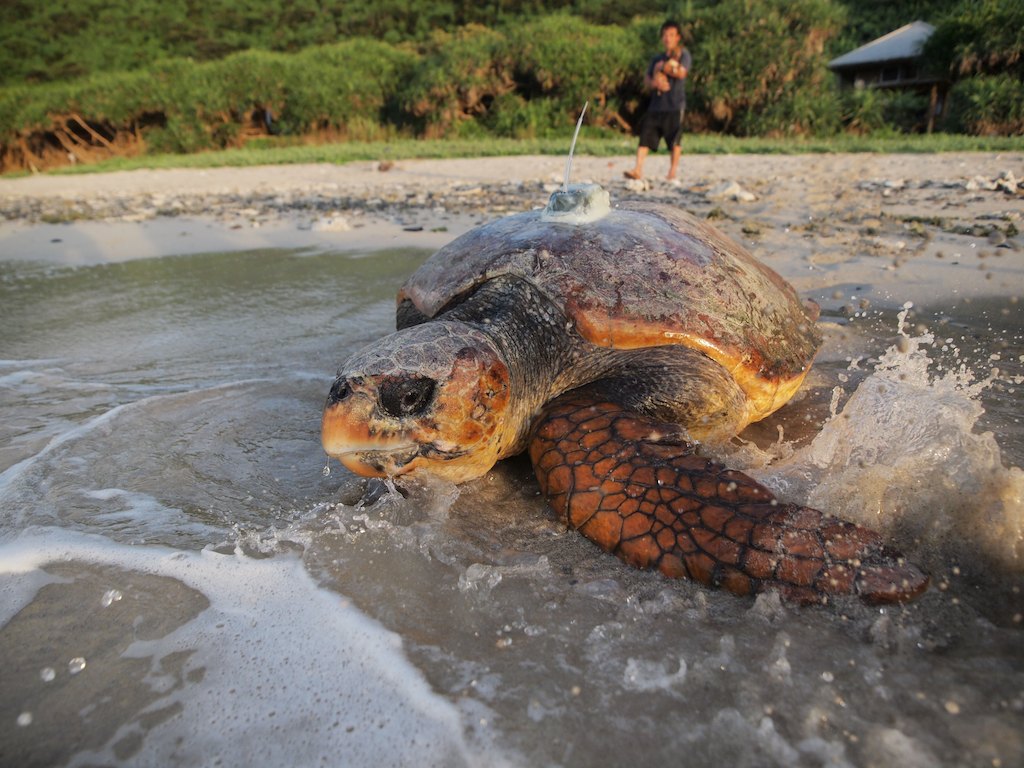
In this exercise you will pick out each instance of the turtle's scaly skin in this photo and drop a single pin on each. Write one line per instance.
(653, 502)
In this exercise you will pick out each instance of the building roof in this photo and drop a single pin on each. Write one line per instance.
(902, 43)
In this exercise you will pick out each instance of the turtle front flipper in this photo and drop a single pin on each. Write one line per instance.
(634, 486)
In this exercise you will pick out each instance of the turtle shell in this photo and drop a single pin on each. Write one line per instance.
(643, 275)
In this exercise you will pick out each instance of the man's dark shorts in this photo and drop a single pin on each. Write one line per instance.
(656, 126)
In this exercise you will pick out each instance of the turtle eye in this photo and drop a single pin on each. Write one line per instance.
(339, 391)
(406, 397)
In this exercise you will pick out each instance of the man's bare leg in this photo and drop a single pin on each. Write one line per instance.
(677, 152)
(638, 169)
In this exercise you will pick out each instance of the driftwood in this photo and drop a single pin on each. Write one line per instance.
(95, 135)
(71, 146)
(69, 138)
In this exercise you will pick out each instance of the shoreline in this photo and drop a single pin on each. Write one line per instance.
(903, 227)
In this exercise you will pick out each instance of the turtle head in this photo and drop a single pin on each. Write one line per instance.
(430, 398)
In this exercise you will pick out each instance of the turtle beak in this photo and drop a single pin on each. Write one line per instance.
(347, 432)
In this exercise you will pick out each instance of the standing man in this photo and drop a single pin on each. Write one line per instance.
(666, 78)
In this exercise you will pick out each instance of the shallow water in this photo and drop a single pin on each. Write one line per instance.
(182, 584)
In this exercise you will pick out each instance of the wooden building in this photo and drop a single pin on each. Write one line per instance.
(894, 61)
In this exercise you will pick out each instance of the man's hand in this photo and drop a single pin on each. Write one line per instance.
(674, 69)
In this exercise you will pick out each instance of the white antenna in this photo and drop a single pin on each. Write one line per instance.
(572, 148)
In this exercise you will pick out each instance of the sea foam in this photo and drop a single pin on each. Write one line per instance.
(271, 648)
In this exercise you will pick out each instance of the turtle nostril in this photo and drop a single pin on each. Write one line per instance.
(339, 391)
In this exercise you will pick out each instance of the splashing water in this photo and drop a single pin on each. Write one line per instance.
(901, 456)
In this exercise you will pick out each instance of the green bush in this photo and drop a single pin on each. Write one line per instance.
(760, 66)
(13, 101)
(182, 106)
(883, 111)
(352, 88)
(47, 41)
(514, 117)
(179, 135)
(566, 61)
(241, 82)
(987, 105)
(978, 37)
(460, 76)
(531, 81)
(979, 44)
(906, 111)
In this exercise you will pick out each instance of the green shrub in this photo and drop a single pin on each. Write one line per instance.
(242, 82)
(906, 111)
(458, 79)
(13, 100)
(978, 37)
(987, 105)
(760, 66)
(566, 61)
(350, 87)
(982, 41)
(182, 106)
(883, 111)
(47, 41)
(528, 82)
(178, 136)
(514, 117)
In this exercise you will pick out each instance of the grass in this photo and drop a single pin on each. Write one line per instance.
(278, 151)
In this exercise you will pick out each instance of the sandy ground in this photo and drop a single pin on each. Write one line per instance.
(906, 225)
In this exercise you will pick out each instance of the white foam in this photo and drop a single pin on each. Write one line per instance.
(274, 648)
(645, 675)
(142, 513)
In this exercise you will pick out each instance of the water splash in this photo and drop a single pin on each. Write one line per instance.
(902, 456)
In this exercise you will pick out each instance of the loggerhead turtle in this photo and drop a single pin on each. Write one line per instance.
(610, 343)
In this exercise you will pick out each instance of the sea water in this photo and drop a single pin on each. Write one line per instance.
(182, 584)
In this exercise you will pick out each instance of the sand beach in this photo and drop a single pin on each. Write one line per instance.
(861, 211)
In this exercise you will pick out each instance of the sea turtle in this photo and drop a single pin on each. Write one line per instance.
(610, 343)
